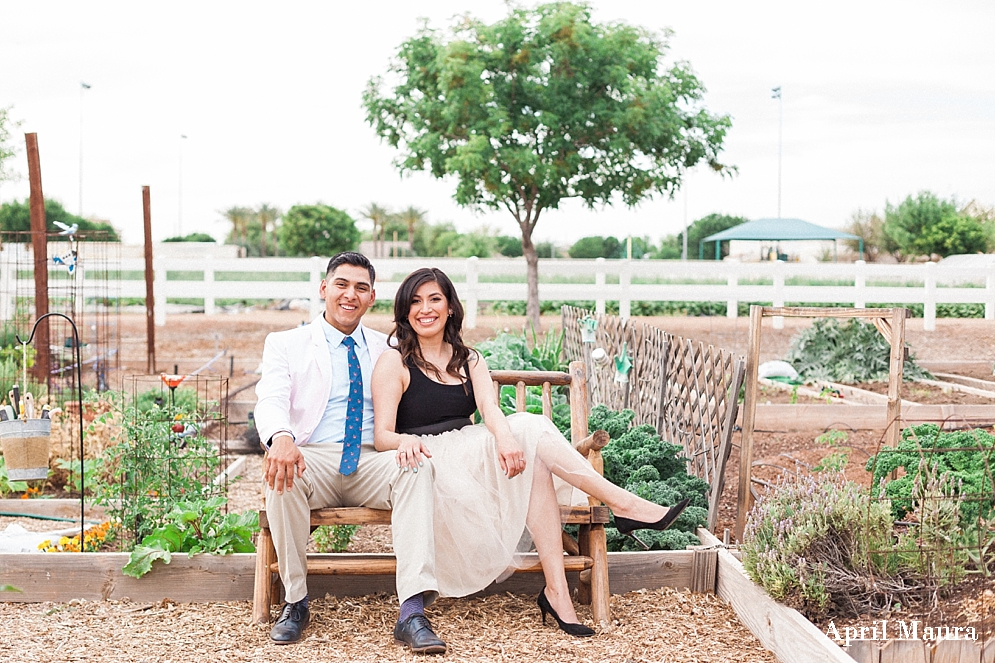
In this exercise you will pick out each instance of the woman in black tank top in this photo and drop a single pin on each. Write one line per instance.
(493, 482)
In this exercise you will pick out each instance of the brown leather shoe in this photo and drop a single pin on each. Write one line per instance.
(416, 633)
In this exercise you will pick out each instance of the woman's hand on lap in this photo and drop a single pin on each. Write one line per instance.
(511, 456)
(410, 452)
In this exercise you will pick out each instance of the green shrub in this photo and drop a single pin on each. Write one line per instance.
(845, 351)
(824, 546)
(333, 538)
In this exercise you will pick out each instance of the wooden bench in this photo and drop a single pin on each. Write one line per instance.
(588, 554)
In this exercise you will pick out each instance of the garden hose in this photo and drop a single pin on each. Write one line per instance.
(11, 514)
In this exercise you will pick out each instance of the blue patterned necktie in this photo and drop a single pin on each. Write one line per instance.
(354, 413)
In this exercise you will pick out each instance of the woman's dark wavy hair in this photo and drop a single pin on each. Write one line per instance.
(407, 339)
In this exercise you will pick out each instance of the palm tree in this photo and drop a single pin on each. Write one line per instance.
(378, 215)
(412, 217)
(239, 218)
(266, 215)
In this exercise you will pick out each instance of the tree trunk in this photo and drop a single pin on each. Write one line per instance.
(262, 252)
(532, 272)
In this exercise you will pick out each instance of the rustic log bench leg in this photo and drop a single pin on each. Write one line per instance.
(600, 593)
(262, 593)
(584, 582)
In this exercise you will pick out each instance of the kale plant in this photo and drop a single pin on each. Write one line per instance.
(846, 351)
(966, 457)
(639, 461)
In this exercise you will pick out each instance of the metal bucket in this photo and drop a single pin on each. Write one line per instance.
(25, 448)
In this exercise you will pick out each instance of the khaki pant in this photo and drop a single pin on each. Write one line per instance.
(377, 483)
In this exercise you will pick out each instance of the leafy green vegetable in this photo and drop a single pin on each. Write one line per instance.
(967, 457)
(6, 485)
(638, 460)
(195, 527)
(845, 351)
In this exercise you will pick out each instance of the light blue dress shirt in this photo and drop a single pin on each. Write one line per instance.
(331, 428)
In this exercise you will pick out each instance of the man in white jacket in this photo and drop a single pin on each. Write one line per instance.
(315, 417)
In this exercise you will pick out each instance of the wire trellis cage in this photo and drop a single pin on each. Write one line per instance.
(176, 448)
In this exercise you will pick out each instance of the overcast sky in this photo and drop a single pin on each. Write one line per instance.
(881, 99)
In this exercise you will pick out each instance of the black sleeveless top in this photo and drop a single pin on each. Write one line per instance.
(430, 408)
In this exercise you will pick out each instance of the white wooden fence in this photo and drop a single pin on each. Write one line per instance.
(624, 281)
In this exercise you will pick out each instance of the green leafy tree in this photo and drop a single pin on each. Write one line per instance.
(433, 239)
(541, 106)
(595, 247)
(702, 228)
(477, 243)
(317, 230)
(927, 225)
(192, 237)
(508, 246)
(869, 226)
(15, 217)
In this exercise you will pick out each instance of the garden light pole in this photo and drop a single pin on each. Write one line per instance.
(179, 190)
(775, 93)
(83, 87)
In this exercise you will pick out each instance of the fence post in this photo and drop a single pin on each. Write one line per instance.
(778, 292)
(990, 293)
(599, 286)
(160, 290)
(625, 294)
(316, 303)
(732, 304)
(472, 277)
(209, 308)
(859, 283)
(929, 297)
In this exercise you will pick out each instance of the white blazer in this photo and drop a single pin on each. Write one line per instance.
(297, 378)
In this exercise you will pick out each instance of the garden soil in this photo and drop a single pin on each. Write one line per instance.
(659, 625)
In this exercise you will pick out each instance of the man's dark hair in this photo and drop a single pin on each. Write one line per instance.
(351, 258)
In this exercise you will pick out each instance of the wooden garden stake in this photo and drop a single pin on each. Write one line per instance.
(745, 500)
(39, 246)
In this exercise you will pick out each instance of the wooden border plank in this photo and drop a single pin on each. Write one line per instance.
(783, 417)
(61, 577)
(97, 576)
(785, 632)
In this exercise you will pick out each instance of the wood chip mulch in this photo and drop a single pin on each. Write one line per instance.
(662, 625)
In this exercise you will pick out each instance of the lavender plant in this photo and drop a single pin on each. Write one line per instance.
(826, 546)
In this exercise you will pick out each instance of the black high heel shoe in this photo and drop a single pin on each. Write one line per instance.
(627, 526)
(578, 630)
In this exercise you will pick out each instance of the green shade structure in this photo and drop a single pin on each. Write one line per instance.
(775, 230)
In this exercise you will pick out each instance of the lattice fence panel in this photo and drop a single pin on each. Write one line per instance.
(686, 389)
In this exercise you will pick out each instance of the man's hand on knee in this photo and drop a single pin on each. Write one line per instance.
(285, 462)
